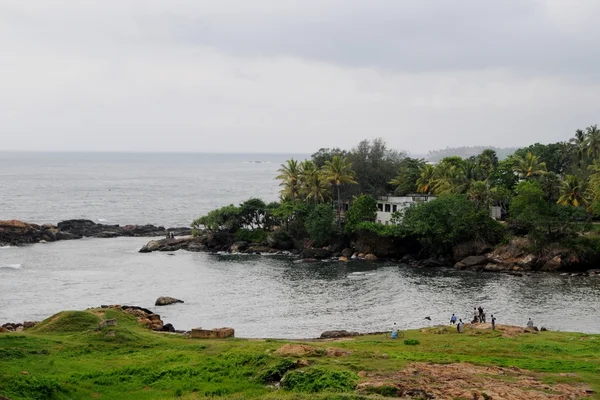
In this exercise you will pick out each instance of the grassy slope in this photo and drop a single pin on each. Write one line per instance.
(64, 358)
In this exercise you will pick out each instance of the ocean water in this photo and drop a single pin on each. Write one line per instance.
(259, 296)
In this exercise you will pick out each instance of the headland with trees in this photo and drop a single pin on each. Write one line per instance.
(548, 194)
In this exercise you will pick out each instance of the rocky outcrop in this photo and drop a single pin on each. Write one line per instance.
(16, 232)
(338, 334)
(317, 254)
(165, 301)
(17, 326)
(145, 317)
(219, 333)
(471, 262)
(186, 243)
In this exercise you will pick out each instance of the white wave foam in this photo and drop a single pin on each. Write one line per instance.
(101, 220)
(4, 247)
(12, 266)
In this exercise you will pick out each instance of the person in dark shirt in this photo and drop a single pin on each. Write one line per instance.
(493, 322)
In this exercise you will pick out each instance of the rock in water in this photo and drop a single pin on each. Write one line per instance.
(165, 301)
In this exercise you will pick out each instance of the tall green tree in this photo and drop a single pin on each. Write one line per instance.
(593, 141)
(314, 186)
(529, 166)
(408, 175)
(427, 179)
(573, 192)
(338, 171)
(289, 175)
(487, 162)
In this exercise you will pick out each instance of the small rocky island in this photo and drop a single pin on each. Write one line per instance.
(15, 232)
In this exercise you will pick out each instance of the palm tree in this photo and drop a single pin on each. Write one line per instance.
(479, 193)
(427, 179)
(289, 175)
(338, 171)
(487, 162)
(579, 142)
(593, 141)
(594, 179)
(573, 192)
(314, 185)
(453, 179)
(529, 166)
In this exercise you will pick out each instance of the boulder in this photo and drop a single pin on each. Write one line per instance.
(347, 252)
(553, 264)
(107, 322)
(470, 262)
(3, 330)
(493, 268)
(220, 333)
(371, 257)
(29, 324)
(318, 254)
(165, 301)
(280, 240)
(337, 334)
(343, 259)
(238, 247)
(168, 328)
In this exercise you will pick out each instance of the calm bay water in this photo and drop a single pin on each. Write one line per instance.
(260, 296)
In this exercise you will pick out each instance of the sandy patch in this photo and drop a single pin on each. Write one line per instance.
(466, 381)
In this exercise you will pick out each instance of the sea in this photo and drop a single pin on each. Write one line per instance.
(259, 296)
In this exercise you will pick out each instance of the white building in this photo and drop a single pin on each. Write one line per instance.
(388, 205)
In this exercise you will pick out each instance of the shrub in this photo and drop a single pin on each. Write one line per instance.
(363, 209)
(448, 221)
(317, 380)
(411, 342)
(276, 372)
(257, 236)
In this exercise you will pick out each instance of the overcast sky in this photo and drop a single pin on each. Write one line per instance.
(295, 75)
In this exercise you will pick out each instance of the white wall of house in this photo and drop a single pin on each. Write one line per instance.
(388, 205)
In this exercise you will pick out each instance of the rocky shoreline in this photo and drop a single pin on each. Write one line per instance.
(513, 258)
(15, 232)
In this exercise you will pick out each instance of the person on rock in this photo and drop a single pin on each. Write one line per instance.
(459, 326)
(493, 322)
(480, 311)
(453, 319)
(475, 316)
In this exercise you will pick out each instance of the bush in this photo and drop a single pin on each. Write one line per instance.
(363, 209)
(277, 371)
(226, 218)
(320, 224)
(450, 220)
(411, 342)
(317, 380)
(258, 236)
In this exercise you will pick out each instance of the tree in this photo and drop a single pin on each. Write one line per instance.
(375, 165)
(324, 155)
(573, 192)
(529, 166)
(408, 175)
(289, 175)
(338, 171)
(362, 209)
(542, 221)
(222, 219)
(487, 162)
(313, 185)
(320, 224)
(579, 142)
(593, 141)
(427, 179)
(551, 185)
(252, 214)
(479, 193)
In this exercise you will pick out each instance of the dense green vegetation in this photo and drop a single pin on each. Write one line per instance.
(67, 358)
(549, 193)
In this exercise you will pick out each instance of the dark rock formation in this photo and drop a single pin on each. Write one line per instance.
(318, 254)
(165, 301)
(471, 261)
(338, 334)
(17, 232)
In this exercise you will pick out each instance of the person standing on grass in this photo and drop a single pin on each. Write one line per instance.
(394, 331)
(493, 322)
(453, 319)
(530, 324)
(459, 326)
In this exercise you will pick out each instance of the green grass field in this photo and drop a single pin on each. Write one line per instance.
(66, 358)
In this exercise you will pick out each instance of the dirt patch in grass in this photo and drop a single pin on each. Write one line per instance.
(297, 350)
(466, 381)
